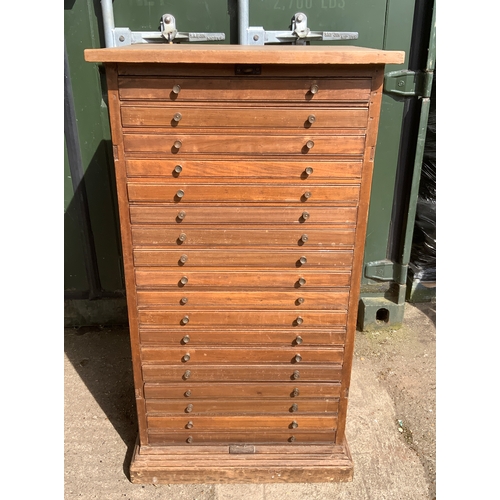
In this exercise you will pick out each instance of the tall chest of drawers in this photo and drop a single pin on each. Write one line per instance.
(243, 180)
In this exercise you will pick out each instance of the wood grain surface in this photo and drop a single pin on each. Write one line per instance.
(243, 206)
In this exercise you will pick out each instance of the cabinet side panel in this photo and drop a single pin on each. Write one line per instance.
(126, 236)
(364, 203)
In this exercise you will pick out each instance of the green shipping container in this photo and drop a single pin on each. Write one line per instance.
(94, 284)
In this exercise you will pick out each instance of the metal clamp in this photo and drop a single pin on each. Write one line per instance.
(118, 37)
(299, 34)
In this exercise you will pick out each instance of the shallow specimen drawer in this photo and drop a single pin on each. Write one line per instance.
(305, 90)
(284, 259)
(228, 214)
(295, 392)
(243, 422)
(182, 406)
(306, 279)
(204, 337)
(241, 144)
(200, 236)
(257, 318)
(241, 373)
(185, 168)
(186, 117)
(181, 193)
(192, 355)
(190, 437)
(196, 300)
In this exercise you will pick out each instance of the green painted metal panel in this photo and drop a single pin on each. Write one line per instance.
(398, 29)
(190, 15)
(82, 31)
(75, 275)
(367, 18)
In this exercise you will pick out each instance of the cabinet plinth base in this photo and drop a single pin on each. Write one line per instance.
(215, 464)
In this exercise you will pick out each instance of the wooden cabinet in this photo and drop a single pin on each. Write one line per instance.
(243, 178)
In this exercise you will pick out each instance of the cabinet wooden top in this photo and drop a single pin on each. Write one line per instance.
(238, 54)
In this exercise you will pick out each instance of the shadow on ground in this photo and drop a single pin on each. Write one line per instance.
(427, 308)
(102, 359)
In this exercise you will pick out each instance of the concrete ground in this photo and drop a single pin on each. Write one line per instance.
(390, 425)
